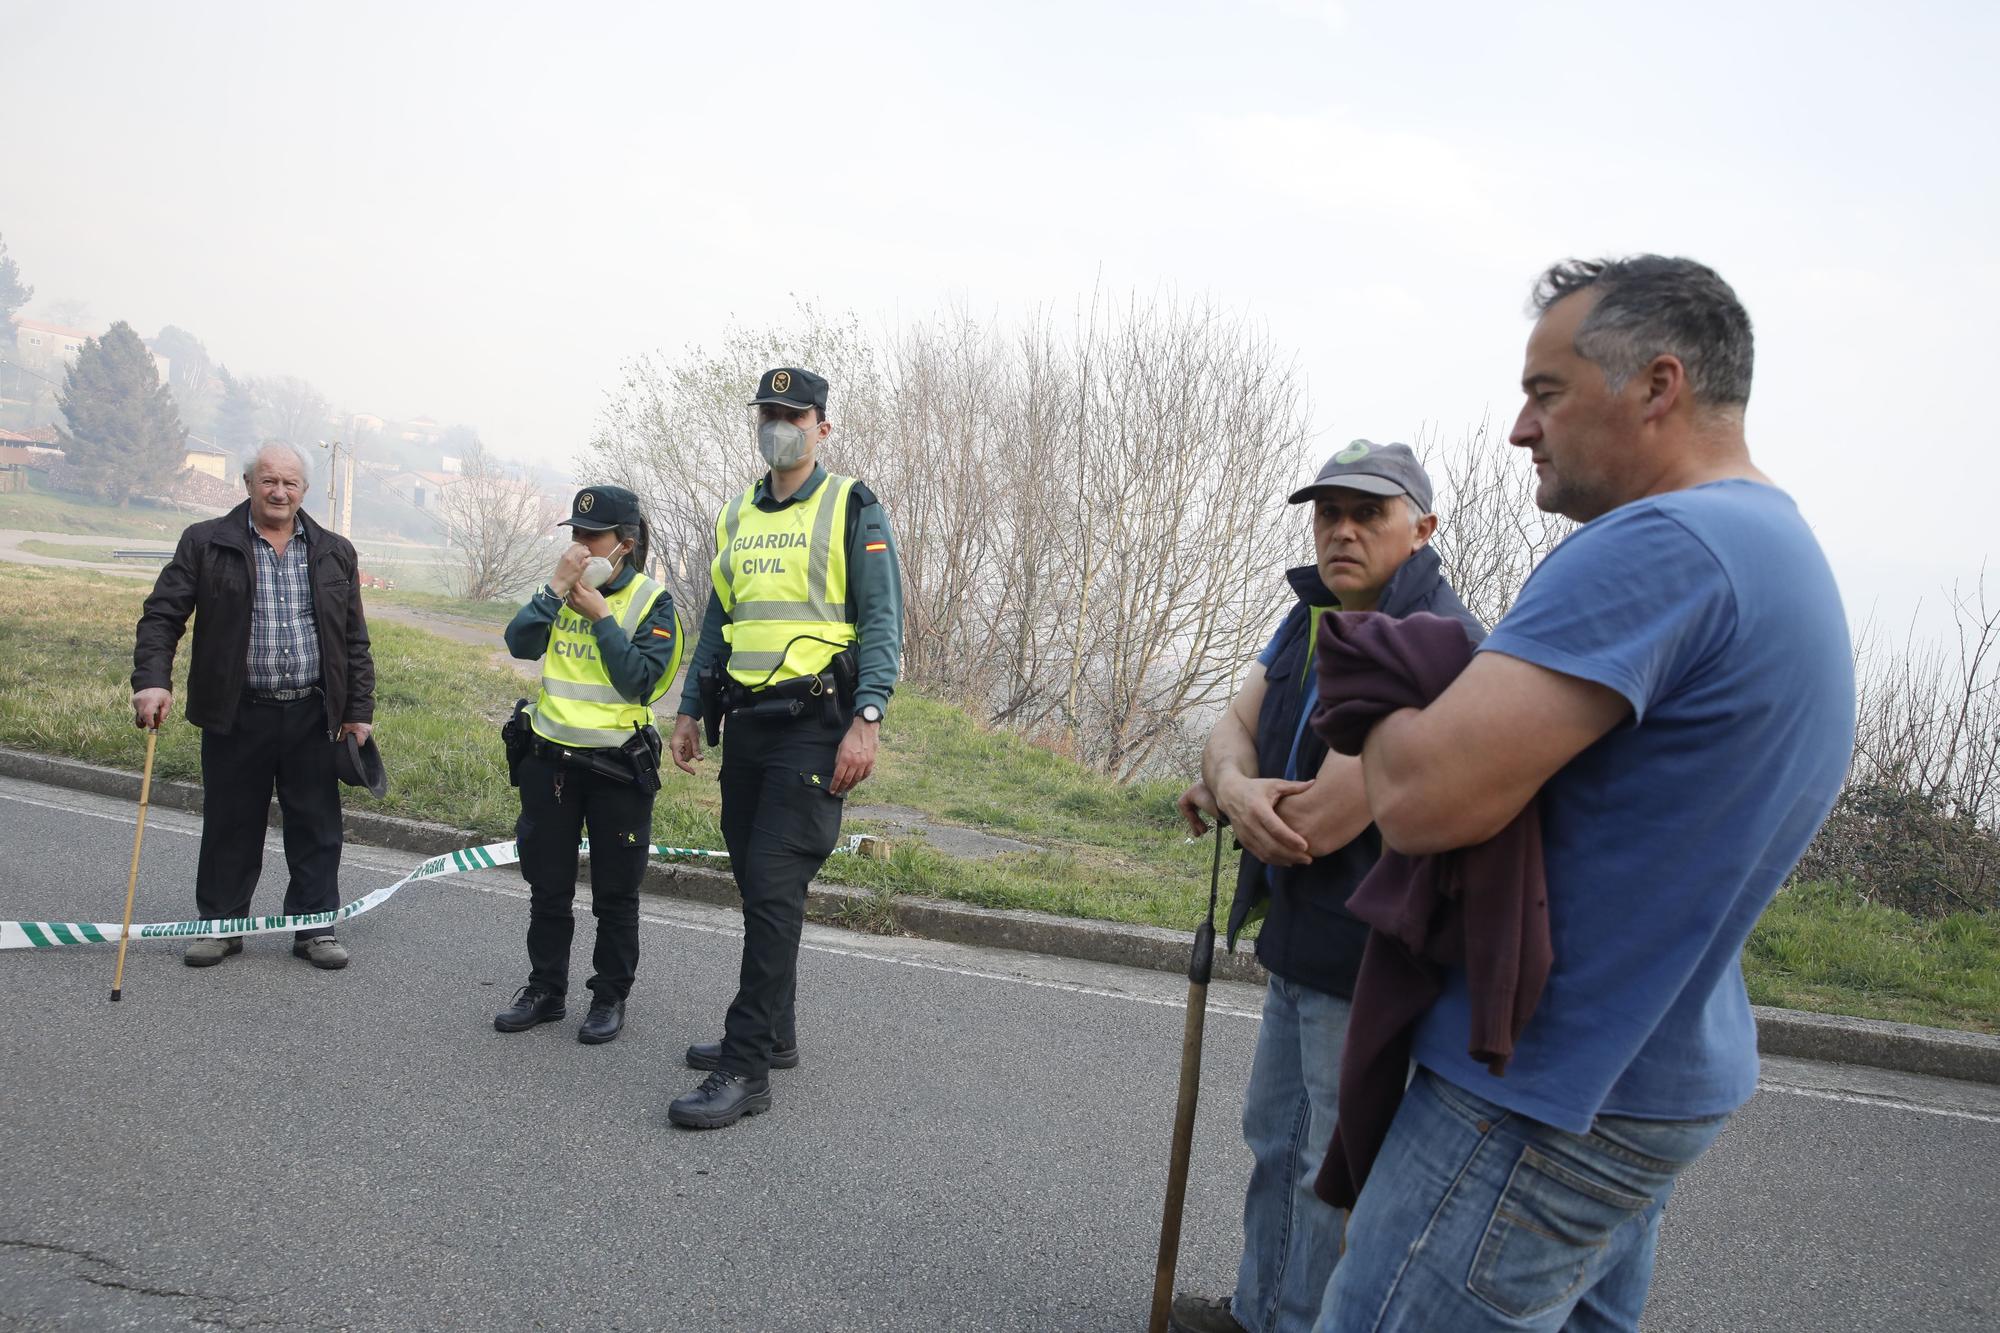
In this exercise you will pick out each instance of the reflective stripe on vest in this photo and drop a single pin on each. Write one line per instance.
(782, 580)
(578, 705)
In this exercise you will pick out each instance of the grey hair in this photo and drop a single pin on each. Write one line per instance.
(305, 463)
(1651, 305)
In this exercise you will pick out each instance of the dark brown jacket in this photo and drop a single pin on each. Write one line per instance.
(213, 577)
(1483, 909)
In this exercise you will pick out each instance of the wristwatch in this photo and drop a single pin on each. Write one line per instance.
(870, 713)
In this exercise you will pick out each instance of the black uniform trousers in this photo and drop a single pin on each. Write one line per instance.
(780, 819)
(281, 744)
(558, 802)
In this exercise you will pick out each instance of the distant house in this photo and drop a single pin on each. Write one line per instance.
(420, 488)
(20, 455)
(43, 346)
(419, 430)
(209, 462)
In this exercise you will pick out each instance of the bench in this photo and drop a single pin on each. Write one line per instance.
(157, 557)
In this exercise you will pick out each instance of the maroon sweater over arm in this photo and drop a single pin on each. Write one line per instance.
(1484, 909)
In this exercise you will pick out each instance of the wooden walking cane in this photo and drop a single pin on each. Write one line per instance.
(1200, 966)
(132, 882)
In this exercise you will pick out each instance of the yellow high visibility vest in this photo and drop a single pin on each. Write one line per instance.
(578, 705)
(782, 579)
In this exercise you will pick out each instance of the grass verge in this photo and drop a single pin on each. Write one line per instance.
(486, 613)
(1105, 852)
(96, 555)
(43, 511)
(1824, 947)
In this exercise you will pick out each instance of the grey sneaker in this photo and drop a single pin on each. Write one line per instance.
(321, 951)
(1201, 1314)
(212, 949)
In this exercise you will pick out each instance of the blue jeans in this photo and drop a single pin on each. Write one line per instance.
(1475, 1217)
(1291, 1240)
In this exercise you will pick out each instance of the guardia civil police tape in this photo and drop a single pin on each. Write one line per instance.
(55, 934)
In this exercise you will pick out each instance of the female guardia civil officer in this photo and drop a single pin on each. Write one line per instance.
(586, 754)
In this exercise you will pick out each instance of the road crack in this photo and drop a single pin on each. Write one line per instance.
(212, 1309)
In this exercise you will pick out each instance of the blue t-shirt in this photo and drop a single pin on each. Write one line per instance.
(1713, 612)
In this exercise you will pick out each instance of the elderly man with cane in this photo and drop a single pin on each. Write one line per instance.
(280, 677)
(1301, 816)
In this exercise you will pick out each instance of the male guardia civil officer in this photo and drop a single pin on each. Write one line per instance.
(799, 649)
(586, 755)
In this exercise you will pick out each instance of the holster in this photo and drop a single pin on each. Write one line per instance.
(642, 753)
(719, 694)
(832, 691)
(516, 735)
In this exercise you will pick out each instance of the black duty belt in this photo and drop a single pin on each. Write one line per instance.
(279, 696)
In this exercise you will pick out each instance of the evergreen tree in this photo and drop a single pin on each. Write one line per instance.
(236, 420)
(124, 432)
(13, 292)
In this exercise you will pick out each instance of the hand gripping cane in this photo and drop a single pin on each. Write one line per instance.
(132, 882)
(1200, 965)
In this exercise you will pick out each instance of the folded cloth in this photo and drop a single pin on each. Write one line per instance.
(1484, 909)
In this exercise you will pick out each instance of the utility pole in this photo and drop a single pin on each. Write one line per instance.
(347, 498)
(332, 482)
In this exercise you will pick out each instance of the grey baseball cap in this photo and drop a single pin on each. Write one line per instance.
(1372, 469)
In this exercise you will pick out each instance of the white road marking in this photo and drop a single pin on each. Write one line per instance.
(928, 965)
(1886, 1103)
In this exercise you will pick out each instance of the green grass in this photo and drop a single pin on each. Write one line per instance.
(100, 555)
(1822, 947)
(38, 511)
(486, 613)
(1108, 852)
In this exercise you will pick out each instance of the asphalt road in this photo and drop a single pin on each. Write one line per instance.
(975, 1140)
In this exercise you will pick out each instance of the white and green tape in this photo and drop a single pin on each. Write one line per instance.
(56, 934)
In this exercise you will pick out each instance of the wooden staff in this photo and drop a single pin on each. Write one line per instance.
(1200, 966)
(132, 882)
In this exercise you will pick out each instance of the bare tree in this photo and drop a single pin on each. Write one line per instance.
(678, 433)
(499, 527)
(1918, 824)
(1490, 534)
(292, 408)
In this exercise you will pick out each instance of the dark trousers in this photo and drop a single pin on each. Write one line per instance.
(558, 802)
(281, 744)
(780, 819)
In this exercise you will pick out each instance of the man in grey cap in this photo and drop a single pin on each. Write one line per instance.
(1301, 816)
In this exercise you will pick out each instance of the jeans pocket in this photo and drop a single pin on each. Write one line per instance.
(1551, 1223)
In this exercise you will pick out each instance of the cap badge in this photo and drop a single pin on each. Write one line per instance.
(781, 381)
(1353, 452)
(585, 501)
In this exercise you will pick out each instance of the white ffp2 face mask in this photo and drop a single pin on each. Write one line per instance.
(596, 572)
(782, 444)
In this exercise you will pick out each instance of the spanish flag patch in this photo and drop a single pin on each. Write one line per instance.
(659, 633)
(876, 546)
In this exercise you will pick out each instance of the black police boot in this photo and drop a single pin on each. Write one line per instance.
(708, 1055)
(531, 1006)
(722, 1099)
(603, 1021)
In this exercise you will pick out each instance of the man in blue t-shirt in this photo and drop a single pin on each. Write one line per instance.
(1675, 683)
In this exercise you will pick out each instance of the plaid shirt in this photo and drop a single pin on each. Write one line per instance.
(284, 644)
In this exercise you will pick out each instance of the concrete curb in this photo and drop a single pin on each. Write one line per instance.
(1784, 1032)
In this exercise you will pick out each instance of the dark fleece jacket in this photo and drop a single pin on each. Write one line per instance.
(1484, 909)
